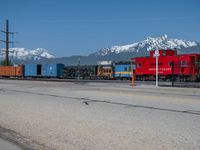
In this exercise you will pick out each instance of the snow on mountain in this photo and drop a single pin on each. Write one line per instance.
(150, 43)
(27, 54)
(42, 53)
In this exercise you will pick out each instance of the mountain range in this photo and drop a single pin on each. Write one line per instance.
(23, 54)
(114, 53)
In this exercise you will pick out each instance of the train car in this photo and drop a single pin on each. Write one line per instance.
(44, 70)
(70, 72)
(83, 72)
(105, 72)
(33, 70)
(11, 71)
(184, 67)
(52, 70)
(123, 70)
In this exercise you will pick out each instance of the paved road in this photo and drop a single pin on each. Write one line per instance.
(5, 145)
(89, 115)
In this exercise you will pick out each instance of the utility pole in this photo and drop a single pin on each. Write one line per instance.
(7, 43)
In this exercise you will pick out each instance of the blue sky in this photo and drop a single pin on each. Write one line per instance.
(80, 27)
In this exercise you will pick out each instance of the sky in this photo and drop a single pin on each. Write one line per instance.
(81, 27)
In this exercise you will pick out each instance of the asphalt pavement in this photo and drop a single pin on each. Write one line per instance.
(5, 145)
(98, 116)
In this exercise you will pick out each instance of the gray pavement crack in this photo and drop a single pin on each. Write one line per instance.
(192, 112)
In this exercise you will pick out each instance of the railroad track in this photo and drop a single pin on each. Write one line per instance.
(161, 83)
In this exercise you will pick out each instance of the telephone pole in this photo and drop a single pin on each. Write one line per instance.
(7, 43)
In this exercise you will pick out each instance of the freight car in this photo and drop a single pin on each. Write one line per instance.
(123, 70)
(83, 72)
(33, 71)
(44, 70)
(119, 70)
(11, 71)
(183, 67)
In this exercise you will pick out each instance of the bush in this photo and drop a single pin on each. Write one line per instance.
(3, 63)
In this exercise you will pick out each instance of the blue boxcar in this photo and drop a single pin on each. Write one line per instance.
(53, 70)
(123, 71)
(32, 70)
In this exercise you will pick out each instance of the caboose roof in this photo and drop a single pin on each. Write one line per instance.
(167, 54)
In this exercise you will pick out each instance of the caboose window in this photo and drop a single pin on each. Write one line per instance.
(170, 63)
(164, 53)
(183, 63)
(139, 65)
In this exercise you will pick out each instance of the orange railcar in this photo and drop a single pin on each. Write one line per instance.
(11, 71)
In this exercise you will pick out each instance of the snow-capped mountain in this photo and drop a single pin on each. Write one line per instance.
(125, 52)
(114, 53)
(27, 54)
(150, 43)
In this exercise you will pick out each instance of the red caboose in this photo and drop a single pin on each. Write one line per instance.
(185, 66)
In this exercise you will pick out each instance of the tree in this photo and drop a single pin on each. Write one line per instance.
(3, 63)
